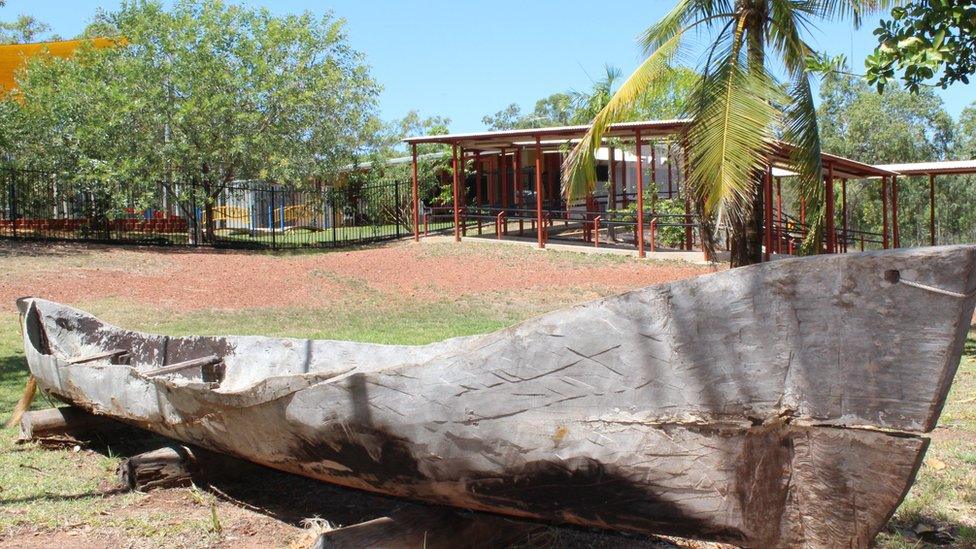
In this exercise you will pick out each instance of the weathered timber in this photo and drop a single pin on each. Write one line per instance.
(782, 404)
(210, 368)
(62, 422)
(114, 353)
(167, 467)
(431, 527)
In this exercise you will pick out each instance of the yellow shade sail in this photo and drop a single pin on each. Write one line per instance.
(15, 56)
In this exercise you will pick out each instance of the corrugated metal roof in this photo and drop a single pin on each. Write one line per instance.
(510, 138)
(943, 167)
(559, 135)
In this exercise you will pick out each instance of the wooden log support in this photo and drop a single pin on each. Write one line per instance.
(168, 467)
(67, 421)
(211, 368)
(114, 353)
(430, 527)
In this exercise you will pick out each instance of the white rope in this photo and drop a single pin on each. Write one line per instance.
(933, 289)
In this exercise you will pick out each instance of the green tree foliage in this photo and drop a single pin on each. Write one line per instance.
(579, 107)
(387, 159)
(554, 110)
(25, 29)
(198, 96)
(925, 40)
(894, 127)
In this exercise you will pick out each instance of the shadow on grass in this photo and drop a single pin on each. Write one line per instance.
(13, 377)
(926, 531)
(64, 497)
(969, 349)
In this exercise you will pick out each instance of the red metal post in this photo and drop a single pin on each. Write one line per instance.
(517, 171)
(670, 177)
(596, 232)
(623, 181)
(612, 199)
(843, 212)
(894, 211)
(829, 216)
(416, 197)
(503, 170)
(538, 192)
(640, 196)
(457, 211)
(654, 169)
(463, 192)
(477, 177)
(779, 216)
(492, 181)
(683, 178)
(932, 209)
(553, 177)
(884, 211)
(768, 212)
(499, 223)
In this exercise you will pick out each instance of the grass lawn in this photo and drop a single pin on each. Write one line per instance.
(308, 237)
(70, 495)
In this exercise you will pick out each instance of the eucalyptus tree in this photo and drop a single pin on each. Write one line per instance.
(554, 110)
(738, 105)
(201, 94)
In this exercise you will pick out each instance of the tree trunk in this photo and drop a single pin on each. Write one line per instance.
(706, 230)
(208, 220)
(747, 231)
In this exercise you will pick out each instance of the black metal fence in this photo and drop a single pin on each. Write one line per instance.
(37, 205)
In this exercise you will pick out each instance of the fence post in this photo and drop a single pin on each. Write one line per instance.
(191, 222)
(273, 241)
(13, 201)
(396, 208)
(332, 206)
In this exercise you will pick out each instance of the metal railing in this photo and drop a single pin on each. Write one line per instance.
(43, 206)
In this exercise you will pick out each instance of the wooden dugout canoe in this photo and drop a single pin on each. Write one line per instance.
(781, 404)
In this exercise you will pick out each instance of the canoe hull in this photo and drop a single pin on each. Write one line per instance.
(778, 405)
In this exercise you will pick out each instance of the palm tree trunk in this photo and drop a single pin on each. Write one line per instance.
(747, 231)
(747, 237)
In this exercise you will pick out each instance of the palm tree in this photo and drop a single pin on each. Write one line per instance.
(737, 106)
(588, 104)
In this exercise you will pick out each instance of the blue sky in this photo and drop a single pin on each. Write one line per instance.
(465, 59)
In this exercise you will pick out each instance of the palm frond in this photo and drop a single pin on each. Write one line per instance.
(853, 9)
(579, 168)
(729, 139)
(787, 21)
(802, 131)
(680, 17)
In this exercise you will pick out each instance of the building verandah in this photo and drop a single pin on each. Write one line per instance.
(508, 183)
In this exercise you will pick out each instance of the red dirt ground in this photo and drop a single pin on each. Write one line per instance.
(212, 279)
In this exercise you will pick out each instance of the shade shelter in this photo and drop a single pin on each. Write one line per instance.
(510, 195)
(930, 169)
